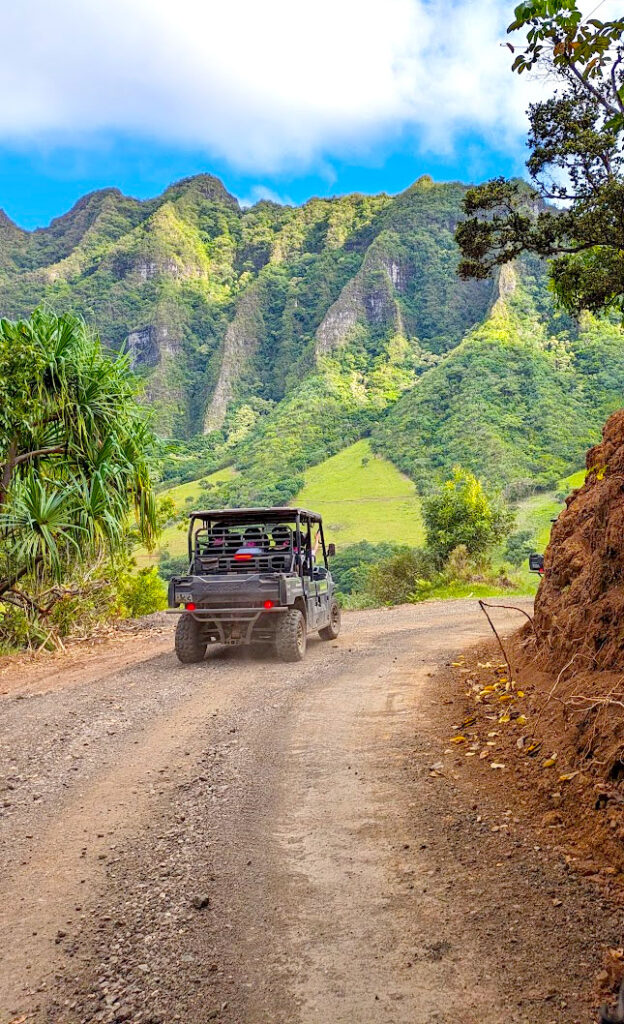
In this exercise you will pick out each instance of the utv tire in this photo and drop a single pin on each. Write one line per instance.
(290, 637)
(331, 632)
(189, 645)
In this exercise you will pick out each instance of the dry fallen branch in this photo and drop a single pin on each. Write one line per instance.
(510, 608)
(483, 605)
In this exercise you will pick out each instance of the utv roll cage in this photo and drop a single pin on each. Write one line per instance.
(244, 540)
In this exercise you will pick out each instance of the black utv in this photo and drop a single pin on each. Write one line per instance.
(256, 576)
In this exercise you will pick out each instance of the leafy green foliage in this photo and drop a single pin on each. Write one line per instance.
(350, 567)
(576, 155)
(74, 456)
(142, 593)
(461, 513)
(396, 579)
(168, 566)
(518, 547)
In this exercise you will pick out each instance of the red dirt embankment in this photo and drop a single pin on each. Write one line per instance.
(579, 610)
(558, 724)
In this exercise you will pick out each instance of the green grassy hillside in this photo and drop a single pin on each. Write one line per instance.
(362, 497)
(187, 494)
(186, 497)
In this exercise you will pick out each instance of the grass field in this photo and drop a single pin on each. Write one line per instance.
(362, 497)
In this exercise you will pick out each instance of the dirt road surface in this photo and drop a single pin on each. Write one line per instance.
(248, 842)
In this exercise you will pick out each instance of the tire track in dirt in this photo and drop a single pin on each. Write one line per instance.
(288, 857)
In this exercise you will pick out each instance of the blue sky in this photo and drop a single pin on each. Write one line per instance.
(35, 186)
(277, 99)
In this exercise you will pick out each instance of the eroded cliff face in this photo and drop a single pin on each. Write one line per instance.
(240, 344)
(149, 345)
(341, 318)
(369, 299)
(504, 287)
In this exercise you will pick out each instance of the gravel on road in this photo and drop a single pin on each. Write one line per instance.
(249, 842)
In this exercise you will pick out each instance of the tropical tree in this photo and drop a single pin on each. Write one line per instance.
(460, 513)
(74, 453)
(575, 139)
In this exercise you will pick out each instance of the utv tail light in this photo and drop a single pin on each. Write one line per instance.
(243, 557)
(190, 607)
(269, 604)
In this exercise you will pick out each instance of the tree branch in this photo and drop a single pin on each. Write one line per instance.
(618, 98)
(55, 450)
(8, 583)
(592, 89)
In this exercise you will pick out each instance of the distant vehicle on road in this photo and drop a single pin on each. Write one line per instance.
(256, 576)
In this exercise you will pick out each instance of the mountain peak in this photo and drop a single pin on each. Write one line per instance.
(205, 185)
(8, 226)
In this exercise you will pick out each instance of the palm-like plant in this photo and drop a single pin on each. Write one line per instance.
(75, 449)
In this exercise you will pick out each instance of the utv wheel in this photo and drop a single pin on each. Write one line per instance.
(189, 645)
(331, 632)
(290, 637)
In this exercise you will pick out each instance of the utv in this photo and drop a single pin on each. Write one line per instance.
(254, 578)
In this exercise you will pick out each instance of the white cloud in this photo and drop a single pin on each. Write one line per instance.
(258, 192)
(265, 85)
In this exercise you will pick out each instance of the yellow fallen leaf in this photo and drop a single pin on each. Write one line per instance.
(458, 739)
(567, 776)
(483, 755)
(495, 764)
(506, 696)
(519, 693)
(549, 762)
(521, 719)
(469, 721)
(457, 664)
(533, 749)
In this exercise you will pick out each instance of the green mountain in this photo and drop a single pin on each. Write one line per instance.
(273, 337)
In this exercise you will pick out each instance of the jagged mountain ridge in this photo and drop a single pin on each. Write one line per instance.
(214, 300)
(285, 333)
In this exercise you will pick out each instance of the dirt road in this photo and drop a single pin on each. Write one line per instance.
(254, 843)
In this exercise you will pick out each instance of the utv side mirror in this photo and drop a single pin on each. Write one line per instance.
(331, 550)
(536, 562)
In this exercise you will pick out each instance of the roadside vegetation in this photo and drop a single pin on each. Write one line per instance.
(75, 485)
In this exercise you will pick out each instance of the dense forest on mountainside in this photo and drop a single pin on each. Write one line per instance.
(274, 336)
